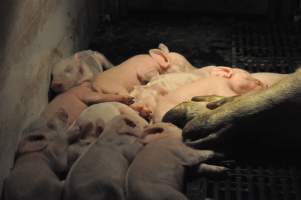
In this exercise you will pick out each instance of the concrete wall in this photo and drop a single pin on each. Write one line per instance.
(34, 35)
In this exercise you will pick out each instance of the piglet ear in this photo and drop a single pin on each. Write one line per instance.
(59, 121)
(85, 73)
(160, 57)
(81, 69)
(62, 115)
(153, 130)
(152, 134)
(32, 143)
(163, 47)
(83, 54)
(100, 125)
(225, 72)
(73, 133)
(86, 129)
(77, 57)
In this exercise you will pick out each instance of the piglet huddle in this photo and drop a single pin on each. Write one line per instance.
(102, 137)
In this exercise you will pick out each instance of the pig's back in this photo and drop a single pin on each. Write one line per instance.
(202, 87)
(121, 75)
(68, 102)
(172, 81)
(106, 111)
(158, 163)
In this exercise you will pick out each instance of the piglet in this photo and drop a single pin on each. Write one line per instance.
(146, 95)
(223, 81)
(158, 170)
(107, 111)
(92, 122)
(40, 160)
(80, 67)
(100, 172)
(139, 70)
(177, 62)
(77, 99)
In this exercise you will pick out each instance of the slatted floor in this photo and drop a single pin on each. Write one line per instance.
(248, 183)
(266, 47)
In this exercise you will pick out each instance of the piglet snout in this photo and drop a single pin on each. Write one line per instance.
(57, 87)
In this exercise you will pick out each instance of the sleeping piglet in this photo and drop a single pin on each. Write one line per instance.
(80, 67)
(91, 123)
(222, 81)
(157, 172)
(146, 95)
(139, 70)
(40, 160)
(106, 112)
(100, 172)
(77, 99)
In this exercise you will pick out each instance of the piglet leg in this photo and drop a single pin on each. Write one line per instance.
(96, 97)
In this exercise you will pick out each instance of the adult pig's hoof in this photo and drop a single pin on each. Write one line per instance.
(184, 112)
(208, 98)
(195, 128)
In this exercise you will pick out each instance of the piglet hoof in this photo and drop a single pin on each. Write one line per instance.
(143, 110)
(128, 100)
(146, 114)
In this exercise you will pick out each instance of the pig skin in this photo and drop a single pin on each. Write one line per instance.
(139, 70)
(98, 116)
(80, 67)
(100, 172)
(40, 160)
(77, 99)
(158, 170)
